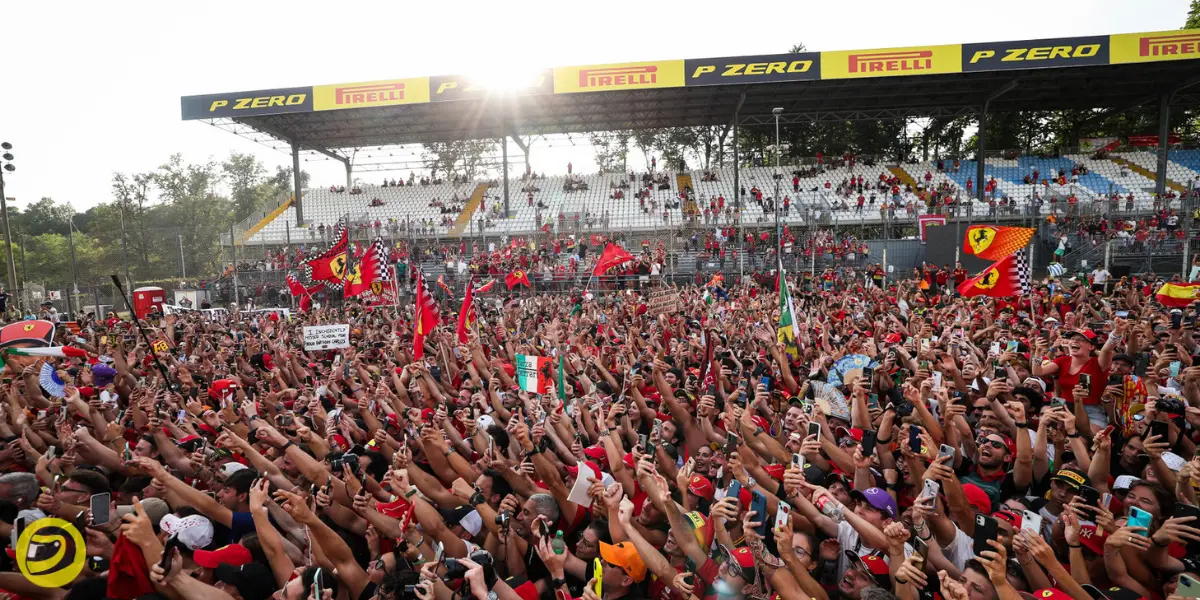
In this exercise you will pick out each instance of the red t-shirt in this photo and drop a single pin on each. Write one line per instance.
(1067, 381)
(662, 590)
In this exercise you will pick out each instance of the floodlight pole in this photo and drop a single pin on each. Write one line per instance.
(775, 203)
(12, 266)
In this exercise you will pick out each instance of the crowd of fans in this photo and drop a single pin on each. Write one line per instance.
(908, 443)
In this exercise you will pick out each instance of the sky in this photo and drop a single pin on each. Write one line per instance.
(92, 88)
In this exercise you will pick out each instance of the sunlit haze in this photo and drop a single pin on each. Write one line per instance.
(93, 88)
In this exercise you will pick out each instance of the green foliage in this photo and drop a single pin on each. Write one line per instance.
(192, 203)
(1193, 18)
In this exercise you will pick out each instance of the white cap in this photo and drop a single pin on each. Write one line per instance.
(1124, 482)
(230, 468)
(1174, 461)
(473, 522)
(195, 531)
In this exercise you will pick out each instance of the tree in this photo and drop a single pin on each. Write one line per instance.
(1193, 18)
(611, 150)
(459, 157)
(798, 48)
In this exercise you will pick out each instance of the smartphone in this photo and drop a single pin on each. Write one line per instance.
(985, 529)
(1089, 495)
(318, 589)
(868, 374)
(1031, 522)
(931, 489)
(1058, 403)
(868, 443)
(936, 378)
(781, 515)
(1085, 379)
(169, 550)
(914, 440)
(1175, 366)
(945, 450)
(994, 349)
(99, 508)
(1160, 429)
(1188, 510)
(1105, 500)
(814, 428)
(798, 460)
(1176, 318)
(758, 504)
(922, 552)
(1000, 373)
(598, 575)
(731, 443)
(734, 489)
(1139, 518)
(1188, 587)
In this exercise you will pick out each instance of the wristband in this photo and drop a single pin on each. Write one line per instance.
(1158, 544)
(1022, 425)
(289, 444)
(882, 441)
(411, 492)
(1069, 545)
(1074, 435)
(556, 583)
(253, 417)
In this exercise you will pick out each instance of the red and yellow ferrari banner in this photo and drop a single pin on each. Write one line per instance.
(992, 242)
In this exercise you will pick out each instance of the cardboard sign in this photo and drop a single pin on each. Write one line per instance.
(663, 302)
(326, 337)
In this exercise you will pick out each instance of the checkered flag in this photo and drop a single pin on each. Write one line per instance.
(1023, 271)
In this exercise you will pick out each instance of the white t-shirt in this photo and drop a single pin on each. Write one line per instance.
(1100, 276)
(960, 549)
(848, 539)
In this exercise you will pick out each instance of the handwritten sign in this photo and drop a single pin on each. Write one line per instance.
(326, 337)
(663, 302)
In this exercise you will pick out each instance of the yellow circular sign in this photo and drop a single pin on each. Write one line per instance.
(51, 552)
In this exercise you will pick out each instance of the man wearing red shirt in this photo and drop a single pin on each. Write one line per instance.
(942, 276)
(959, 275)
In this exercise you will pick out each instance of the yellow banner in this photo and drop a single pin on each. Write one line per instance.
(1154, 46)
(624, 76)
(890, 62)
(371, 93)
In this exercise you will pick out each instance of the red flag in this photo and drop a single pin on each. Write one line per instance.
(441, 281)
(331, 265)
(295, 288)
(425, 316)
(992, 242)
(371, 273)
(466, 314)
(1177, 295)
(612, 256)
(516, 278)
(1002, 279)
(485, 288)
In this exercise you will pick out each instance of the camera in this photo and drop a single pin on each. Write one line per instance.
(348, 458)
(905, 409)
(503, 518)
(1171, 405)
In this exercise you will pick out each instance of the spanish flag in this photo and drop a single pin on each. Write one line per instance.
(991, 242)
(1178, 295)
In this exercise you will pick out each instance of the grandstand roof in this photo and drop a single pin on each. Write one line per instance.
(1109, 71)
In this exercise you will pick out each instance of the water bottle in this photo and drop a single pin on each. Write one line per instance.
(558, 544)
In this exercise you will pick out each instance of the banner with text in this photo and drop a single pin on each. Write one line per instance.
(326, 337)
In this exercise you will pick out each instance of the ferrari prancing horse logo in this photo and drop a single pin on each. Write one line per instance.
(981, 239)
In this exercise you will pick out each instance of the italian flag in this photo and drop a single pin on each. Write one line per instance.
(534, 373)
(54, 351)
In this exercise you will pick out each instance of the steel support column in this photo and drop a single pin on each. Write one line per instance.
(1164, 134)
(297, 193)
(504, 161)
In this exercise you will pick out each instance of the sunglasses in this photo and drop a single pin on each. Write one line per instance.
(997, 444)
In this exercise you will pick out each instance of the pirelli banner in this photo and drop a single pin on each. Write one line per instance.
(1054, 53)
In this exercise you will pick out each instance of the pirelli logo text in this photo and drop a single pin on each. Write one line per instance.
(883, 62)
(1169, 45)
(257, 102)
(891, 62)
(369, 94)
(618, 77)
(1154, 46)
(628, 76)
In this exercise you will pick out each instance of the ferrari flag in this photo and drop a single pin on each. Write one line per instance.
(1177, 295)
(533, 373)
(330, 265)
(991, 242)
(788, 329)
(612, 256)
(1008, 277)
(371, 273)
(516, 278)
(466, 314)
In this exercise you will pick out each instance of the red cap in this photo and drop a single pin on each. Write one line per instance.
(1009, 517)
(394, 509)
(853, 432)
(978, 498)
(775, 471)
(1051, 594)
(745, 558)
(761, 421)
(1093, 539)
(892, 338)
(234, 555)
(701, 486)
(223, 389)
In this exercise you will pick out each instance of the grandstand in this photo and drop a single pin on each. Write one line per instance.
(1118, 72)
